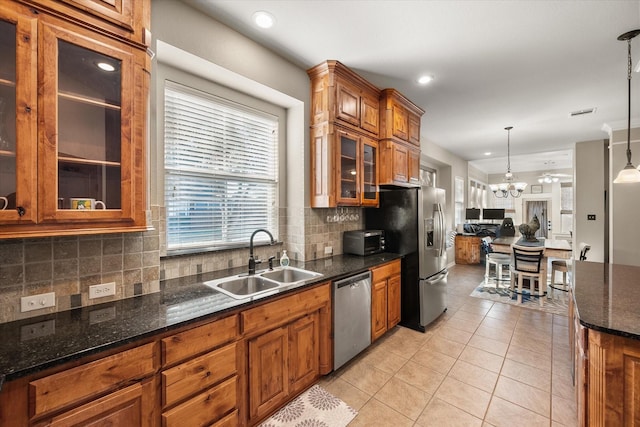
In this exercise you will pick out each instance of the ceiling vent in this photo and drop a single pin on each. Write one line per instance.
(582, 112)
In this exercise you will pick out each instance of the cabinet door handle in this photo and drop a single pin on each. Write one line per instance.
(21, 211)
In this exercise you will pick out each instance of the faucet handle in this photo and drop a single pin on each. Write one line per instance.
(271, 258)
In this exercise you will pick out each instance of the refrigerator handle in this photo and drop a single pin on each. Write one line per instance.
(437, 278)
(439, 229)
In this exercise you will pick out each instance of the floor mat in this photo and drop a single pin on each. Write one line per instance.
(489, 290)
(315, 407)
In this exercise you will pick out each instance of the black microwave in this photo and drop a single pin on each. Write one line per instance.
(363, 242)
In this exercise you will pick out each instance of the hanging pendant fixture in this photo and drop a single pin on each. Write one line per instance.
(629, 174)
(508, 187)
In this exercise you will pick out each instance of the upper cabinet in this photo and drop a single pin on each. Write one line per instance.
(399, 139)
(125, 19)
(73, 109)
(361, 138)
(344, 137)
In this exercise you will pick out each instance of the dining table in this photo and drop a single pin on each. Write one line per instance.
(553, 248)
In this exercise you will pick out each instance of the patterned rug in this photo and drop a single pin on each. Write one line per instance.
(315, 407)
(556, 304)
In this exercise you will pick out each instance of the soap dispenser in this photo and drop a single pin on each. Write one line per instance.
(284, 259)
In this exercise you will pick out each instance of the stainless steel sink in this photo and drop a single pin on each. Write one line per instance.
(243, 286)
(288, 275)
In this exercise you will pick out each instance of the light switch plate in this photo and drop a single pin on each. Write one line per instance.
(36, 302)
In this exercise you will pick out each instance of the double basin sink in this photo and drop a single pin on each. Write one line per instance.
(243, 286)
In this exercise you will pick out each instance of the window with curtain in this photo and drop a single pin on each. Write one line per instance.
(221, 171)
(566, 207)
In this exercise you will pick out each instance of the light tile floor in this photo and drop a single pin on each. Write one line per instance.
(480, 364)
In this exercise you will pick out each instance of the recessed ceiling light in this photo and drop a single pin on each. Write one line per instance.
(264, 19)
(488, 153)
(423, 80)
(105, 66)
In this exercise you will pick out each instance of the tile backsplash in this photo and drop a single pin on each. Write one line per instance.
(136, 262)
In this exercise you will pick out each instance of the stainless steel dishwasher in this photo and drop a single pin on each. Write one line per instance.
(351, 317)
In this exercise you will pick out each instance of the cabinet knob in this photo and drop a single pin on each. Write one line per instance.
(21, 211)
(27, 109)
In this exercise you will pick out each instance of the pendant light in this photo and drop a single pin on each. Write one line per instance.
(629, 174)
(508, 187)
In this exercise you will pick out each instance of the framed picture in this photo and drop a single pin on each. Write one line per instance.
(536, 189)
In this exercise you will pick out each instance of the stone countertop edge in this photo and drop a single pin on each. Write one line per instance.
(38, 343)
(606, 297)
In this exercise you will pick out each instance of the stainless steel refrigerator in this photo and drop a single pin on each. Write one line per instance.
(414, 224)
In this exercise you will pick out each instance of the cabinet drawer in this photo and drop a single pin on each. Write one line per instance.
(91, 379)
(205, 408)
(385, 271)
(190, 343)
(198, 374)
(277, 313)
(230, 420)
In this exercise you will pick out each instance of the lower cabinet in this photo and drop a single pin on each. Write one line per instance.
(285, 360)
(385, 298)
(129, 406)
(467, 249)
(232, 371)
(282, 363)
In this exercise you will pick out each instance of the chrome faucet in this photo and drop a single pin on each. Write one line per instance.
(253, 261)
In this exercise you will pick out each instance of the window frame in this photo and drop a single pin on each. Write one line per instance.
(178, 76)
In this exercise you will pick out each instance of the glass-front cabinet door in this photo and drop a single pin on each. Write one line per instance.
(369, 172)
(85, 153)
(18, 118)
(348, 173)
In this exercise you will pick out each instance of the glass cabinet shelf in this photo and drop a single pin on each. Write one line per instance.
(87, 100)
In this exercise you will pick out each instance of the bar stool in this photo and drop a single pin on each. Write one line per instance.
(526, 264)
(562, 266)
(500, 261)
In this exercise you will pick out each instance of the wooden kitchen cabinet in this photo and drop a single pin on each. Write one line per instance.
(114, 389)
(204, 387)
(385, 298)
(126, 19)
(467, 249)
(399, 139)
(344, 137)
(76, 134)
(289, 352)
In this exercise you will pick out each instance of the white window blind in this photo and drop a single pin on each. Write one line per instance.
(221, 171)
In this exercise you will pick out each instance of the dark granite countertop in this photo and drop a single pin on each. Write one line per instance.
(606, 297)
(34, 344)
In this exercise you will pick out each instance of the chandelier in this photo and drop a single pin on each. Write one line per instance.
(508, 187)
(629, 174)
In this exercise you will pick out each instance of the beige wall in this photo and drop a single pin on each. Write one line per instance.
(624, 204)
(590, 185)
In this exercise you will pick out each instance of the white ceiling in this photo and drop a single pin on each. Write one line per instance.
(525, 64)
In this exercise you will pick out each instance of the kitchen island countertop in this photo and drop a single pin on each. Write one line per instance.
(606, 297)
(38, 343)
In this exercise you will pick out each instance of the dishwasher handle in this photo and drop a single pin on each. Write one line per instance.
(353, 279)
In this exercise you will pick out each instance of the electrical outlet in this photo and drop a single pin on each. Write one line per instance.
(328, 250)
(36, 302)
(37, 330)
(102, 290)
(591, 217)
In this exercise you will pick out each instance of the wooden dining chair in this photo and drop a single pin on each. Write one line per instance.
(527, 265)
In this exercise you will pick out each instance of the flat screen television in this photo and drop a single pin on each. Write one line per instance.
(492, 213)
(472, 213)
